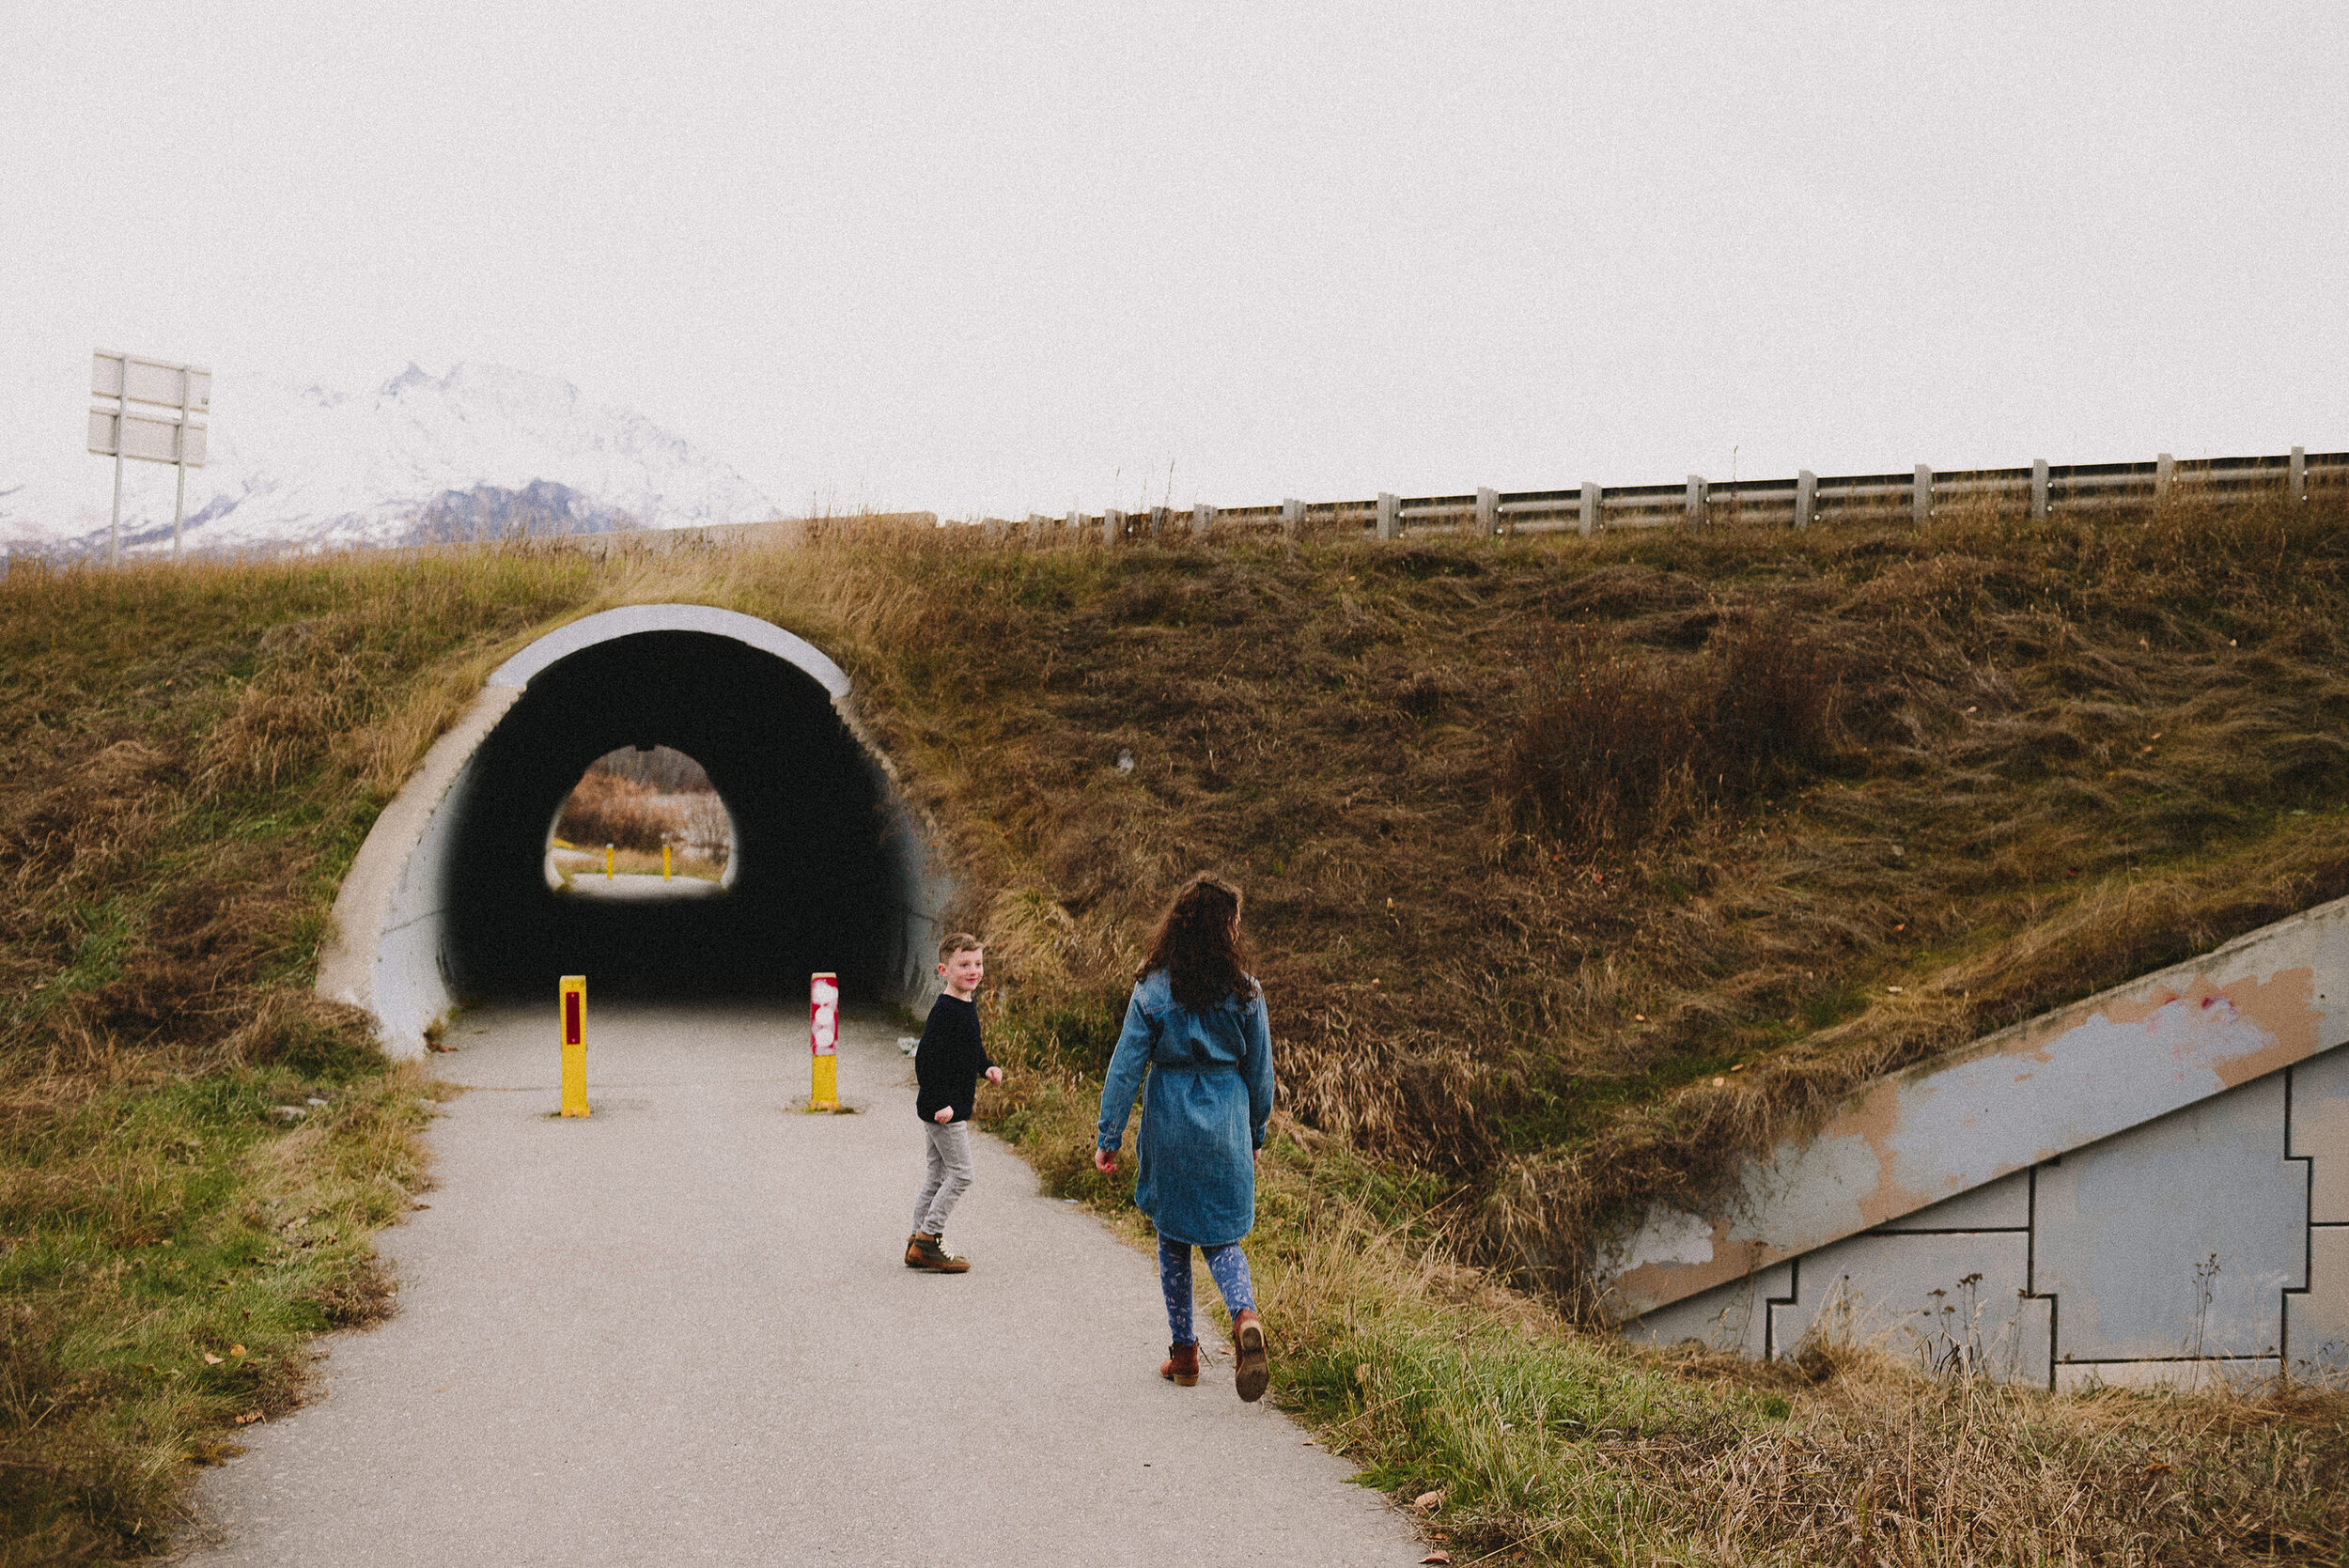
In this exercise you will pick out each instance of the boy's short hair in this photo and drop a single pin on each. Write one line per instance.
(959, 941)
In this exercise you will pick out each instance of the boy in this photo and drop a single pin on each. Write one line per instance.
(947, 1065)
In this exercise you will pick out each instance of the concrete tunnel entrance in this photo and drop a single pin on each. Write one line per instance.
(812, 887)
(449, 899)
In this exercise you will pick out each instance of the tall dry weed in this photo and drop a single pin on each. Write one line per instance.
(606, 808)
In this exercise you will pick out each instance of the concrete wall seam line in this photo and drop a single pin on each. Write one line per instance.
(2006, 1103)
(629, 620)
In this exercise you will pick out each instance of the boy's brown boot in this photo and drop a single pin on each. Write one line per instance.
(1255, 1366)
(929, 1252)
(1181, 1365)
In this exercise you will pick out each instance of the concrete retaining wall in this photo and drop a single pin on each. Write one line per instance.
(2204, 1228)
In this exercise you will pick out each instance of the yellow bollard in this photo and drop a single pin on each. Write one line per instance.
(574, 993)
(607, 862)
(823, 1038)
(664, 863)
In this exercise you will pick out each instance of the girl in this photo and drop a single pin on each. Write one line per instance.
(1197, 1020)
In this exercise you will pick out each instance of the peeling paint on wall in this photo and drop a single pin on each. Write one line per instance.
(2009, 1103)
(2210, 1241)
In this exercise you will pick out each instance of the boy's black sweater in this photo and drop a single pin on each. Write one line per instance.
(948, 1062)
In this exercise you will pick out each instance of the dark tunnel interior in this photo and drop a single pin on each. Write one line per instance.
(815, 884)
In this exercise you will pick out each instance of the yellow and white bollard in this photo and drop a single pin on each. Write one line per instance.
(664, 863)
(823, 1038)
(574, 993)
(607, 862)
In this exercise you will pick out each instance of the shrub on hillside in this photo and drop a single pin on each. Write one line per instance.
(1620, 746)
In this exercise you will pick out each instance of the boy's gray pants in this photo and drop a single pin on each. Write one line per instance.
(949, 1178)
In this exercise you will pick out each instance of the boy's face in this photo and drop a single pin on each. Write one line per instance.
(962, 970)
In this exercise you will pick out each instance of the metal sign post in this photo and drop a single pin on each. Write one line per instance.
(120, 432)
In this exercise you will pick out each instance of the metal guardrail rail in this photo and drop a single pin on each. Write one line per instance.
(1807, 498)
(1590, 508)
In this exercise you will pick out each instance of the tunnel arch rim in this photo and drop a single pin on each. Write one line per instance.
(382, 950)
(634, 620)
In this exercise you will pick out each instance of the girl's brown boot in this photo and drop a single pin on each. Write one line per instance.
(1181, 1364)
(1255, 1366)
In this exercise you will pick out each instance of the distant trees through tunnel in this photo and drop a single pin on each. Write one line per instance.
(641, 812)
(636, 735)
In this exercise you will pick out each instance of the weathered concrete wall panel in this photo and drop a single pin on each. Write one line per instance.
(1945, 1300)
(2184, 1249)
(2316, 1325)
(1733, 1318)
(2319, 1134)
(2006, 1103)
(2000, 1205)
(2179, 1237)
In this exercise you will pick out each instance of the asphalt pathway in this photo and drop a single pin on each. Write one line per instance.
(680, 1332)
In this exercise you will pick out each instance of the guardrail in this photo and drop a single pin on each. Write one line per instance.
(1590, 508)
(1807, 498)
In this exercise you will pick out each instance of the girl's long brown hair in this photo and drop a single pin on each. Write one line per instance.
(1198, 944)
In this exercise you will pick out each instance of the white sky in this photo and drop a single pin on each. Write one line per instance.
(1010, 258)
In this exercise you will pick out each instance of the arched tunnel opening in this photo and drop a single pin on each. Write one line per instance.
(819, 873)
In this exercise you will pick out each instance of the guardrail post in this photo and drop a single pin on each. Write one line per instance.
(1292, 517)
(1201, 519)
(1695, 516)
(2039, 488)
(2165, 469)
(1390, 515)
(1158, 522)
(2299, 473)
(1920, 496)
(1112, 527)
(1488, 512)
(1806, 497)
(1588, 521)
(1076, 524)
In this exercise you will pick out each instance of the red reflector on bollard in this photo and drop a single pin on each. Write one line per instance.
(570, 1018)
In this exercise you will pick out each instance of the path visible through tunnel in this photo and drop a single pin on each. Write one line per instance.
(680, 1331)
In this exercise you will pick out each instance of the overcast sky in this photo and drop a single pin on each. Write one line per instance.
(1010, 258)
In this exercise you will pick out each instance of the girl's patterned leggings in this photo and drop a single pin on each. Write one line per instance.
(1229, 1265)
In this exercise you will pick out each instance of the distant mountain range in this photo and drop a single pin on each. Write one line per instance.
(483, 452)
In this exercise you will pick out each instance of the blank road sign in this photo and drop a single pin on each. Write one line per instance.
(157, 440)
(149, 381)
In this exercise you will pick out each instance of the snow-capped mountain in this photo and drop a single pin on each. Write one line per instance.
(483, 452)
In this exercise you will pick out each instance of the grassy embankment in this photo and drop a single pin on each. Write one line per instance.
(188, 763)
(1520, 982)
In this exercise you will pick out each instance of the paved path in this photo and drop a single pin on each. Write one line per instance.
(635, 885)
(680, 1332)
